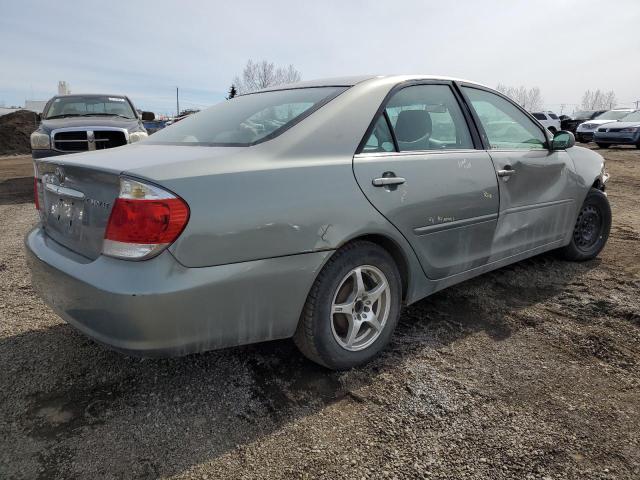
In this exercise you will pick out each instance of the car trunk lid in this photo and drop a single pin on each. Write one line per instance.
(75, 203)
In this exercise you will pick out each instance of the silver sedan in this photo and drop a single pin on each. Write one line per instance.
(313, 211)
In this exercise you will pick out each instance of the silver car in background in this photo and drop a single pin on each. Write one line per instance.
(585, 131)
(312, 211)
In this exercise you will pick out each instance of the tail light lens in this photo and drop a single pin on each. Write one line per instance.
(144, 220)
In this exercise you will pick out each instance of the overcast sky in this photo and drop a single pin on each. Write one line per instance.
(145, 48)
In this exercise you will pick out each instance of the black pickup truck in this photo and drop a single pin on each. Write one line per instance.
(77, 123)
(570, 124)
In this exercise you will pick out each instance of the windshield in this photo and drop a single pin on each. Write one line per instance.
(247, 119)
(632, 117)
(613, 115)
(90, 105)
(583, 115)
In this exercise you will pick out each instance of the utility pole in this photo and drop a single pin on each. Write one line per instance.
(177, 104)
(637, 103)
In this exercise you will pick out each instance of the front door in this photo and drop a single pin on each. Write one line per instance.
(419, 168)
(536, 203)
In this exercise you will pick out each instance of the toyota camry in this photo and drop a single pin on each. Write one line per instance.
(313, 211)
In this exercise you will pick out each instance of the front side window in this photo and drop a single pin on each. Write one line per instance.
(428, 117)
(88, 106)
(247, 119)
(505, 125)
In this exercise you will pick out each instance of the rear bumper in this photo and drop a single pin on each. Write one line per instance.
(160, 308)
(617, 138)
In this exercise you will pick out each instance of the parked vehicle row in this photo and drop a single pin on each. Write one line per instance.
(584, 131)
(314, 211)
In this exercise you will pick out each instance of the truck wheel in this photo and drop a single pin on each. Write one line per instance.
(352, 309)
(591, 230)
(602, 145)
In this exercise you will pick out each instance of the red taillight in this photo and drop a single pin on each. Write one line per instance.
(147, 221)
(36, 200)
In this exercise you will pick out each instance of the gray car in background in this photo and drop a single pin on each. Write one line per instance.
(314, 211)
(625, 131)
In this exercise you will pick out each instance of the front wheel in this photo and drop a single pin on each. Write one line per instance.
(352, 308)
(591, 230)
(602, 145)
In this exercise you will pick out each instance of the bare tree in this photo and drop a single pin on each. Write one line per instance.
(598, 100)
(529, 99)
(263, 74)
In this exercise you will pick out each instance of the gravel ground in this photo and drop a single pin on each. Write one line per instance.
(529, 372)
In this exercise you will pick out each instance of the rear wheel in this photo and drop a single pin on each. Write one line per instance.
(602, 145)
(553, 130)
(591, 230)
(352, 309)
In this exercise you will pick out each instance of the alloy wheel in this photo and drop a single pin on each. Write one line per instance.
(360, 307)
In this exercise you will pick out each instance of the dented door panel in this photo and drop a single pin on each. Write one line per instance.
(447, 208)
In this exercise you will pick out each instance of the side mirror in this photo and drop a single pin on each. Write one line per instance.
(148, 116)
(563, 140)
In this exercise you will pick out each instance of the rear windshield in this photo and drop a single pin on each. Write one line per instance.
(247, 119)
(89, 106)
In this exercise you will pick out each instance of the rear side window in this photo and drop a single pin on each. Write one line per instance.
(540, 116)
(428, 117)
(422, 117)
(554, 116)
(506, 126)
(247, 119)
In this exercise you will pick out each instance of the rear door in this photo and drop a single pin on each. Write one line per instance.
(536, 195)
(418, 165)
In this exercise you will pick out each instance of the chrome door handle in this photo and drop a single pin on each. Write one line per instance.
(383, 181)
(506, 172)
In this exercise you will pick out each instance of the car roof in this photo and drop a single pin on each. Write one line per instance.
(70, 95)
(349, 81)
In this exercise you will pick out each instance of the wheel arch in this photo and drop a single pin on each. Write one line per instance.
(396, 252)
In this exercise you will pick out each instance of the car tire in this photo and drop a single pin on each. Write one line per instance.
(553, 130)
(371, 307)
(591, 229)
(602, 145)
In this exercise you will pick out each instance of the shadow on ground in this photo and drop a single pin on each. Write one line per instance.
(83, 411)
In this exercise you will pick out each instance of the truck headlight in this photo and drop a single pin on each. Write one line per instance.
(136, 136)
(40, 141)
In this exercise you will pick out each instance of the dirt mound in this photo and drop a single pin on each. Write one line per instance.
(15, 129)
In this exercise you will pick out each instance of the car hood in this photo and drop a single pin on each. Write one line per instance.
(628, 124)
(83, 122)
(596, 123)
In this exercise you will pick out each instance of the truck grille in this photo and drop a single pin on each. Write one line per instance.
(83, 140)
